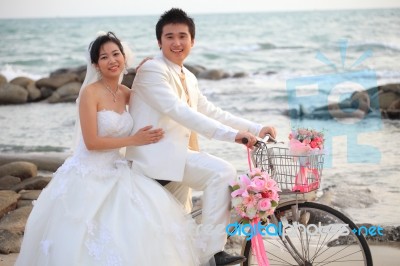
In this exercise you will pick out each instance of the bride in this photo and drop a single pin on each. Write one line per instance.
(95, 211)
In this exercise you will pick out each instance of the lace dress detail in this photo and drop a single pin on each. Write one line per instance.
(98, 211)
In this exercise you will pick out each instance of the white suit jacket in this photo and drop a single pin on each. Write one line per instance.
(158, 99)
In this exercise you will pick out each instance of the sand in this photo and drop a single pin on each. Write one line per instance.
(382, 254)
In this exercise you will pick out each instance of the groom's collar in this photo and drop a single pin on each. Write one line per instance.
(175, 67)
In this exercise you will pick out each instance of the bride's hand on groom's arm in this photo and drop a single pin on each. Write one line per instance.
(147, 135)
(142, 62)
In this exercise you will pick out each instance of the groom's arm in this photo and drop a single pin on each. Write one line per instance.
(152, 85)
(209, 109)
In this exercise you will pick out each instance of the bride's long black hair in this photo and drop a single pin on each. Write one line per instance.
(95, 46)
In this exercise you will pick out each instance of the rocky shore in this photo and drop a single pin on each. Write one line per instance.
(63, 85)
(22, 178)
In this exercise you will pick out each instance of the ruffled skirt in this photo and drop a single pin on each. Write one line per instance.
(107, 216)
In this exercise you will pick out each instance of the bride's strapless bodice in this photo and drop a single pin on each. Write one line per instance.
(109, 124)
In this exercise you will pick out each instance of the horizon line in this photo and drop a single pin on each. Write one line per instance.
(206, 13)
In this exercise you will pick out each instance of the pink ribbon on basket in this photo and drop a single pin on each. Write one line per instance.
(257, 245)
(301, 182)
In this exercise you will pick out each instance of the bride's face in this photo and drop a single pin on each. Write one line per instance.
(111, 60)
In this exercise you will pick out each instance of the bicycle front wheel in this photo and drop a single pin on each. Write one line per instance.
(310, 234)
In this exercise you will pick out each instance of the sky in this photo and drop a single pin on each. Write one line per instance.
(84, 8)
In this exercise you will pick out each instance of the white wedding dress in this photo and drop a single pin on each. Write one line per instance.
(97, 211)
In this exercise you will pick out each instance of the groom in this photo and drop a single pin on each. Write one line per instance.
(166, 95)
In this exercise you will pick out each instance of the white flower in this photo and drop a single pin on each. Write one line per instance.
(237, 201)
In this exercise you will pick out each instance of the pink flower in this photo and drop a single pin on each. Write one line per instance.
(249, 201)
(257, 184)
(264, 204)
(313, 144)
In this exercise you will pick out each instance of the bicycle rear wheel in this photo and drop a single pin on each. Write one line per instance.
(320, 238)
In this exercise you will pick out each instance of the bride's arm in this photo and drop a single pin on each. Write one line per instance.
(88, 120)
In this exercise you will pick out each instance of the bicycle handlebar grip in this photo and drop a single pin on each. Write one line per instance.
(245, 141)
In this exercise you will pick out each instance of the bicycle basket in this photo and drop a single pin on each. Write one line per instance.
(293, 173)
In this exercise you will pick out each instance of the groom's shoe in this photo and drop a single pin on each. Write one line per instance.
(223, 258)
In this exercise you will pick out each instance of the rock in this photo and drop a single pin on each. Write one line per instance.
(240, 75)
(8, 201)
(395, 87)
(13, 94)
(3, 80)
(77, 70)
(213, 74)
(8, 181)
(22, 170)
(66, 93)
(128, 78)
(29, 194)
(22, 81)
(195, 69)
(56, 81)
(386, 98)
(33, 92)
(9, 242)
(15, 221)
(33, 183)
(23, 203)
(47, 162)
(46, 92)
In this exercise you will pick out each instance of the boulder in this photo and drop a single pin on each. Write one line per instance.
(47, 162)
(8, 201)
(15, 221)
(13, 94)
(240, 75)
(33, 183)
(66, 93)
(56, 81)
(29, 194)
(195, 69)
(3, 80)
(9, 242)
(46, 92)
(385, 98)
(33, 92)
(77, 70)
(128, 78)
(22, 170)
(22, 81)
(8, 181)
(213, 74)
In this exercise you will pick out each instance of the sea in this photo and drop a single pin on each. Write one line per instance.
(272, 51)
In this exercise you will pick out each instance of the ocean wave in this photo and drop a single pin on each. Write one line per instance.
(374, 46)
(11, 72)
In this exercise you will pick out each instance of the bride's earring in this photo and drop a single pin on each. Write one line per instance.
(99, 76)
(125, 69)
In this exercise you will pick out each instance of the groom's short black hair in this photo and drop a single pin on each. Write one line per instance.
(175, 16)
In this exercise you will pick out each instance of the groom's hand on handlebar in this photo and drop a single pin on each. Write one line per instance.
(251, 139)
(267, 131)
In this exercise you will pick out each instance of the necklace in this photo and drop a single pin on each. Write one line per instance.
(114, 94)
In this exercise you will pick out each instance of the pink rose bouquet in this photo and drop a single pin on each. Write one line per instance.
(254, 195)
(305, 145)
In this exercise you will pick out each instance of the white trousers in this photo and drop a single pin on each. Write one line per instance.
(210, 174)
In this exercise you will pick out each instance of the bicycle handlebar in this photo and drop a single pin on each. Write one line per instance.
(266, 139)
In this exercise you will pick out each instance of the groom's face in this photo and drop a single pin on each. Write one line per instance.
(176, 42)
